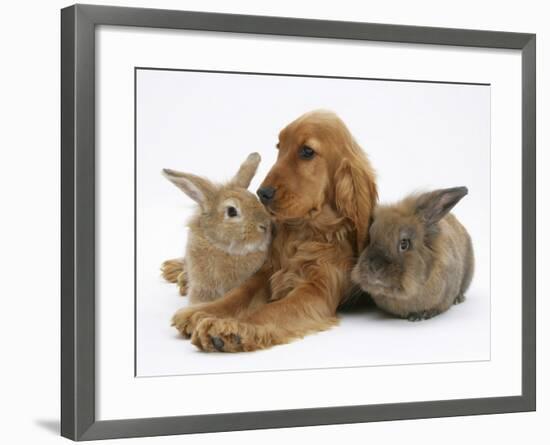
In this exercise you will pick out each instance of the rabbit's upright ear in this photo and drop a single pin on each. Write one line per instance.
(198, 189)
(433, 206)
(246, 171)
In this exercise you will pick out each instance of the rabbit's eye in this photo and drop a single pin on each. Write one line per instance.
(306, 152)
(232, 212)
(404, 244)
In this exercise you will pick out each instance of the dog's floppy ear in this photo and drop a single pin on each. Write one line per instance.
(198, 189)
(246, 171)
(356, 195)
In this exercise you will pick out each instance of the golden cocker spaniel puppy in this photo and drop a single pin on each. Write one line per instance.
(320, 192)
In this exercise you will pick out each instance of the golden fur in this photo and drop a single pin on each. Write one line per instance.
(321, 212)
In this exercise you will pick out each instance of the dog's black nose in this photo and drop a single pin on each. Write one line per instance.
(266, 194)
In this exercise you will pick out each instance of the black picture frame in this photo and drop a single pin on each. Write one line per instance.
(78, 23)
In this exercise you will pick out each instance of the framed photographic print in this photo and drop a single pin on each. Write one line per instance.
(289, 222)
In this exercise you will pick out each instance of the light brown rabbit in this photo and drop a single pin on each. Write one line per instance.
(229, 234)
(419, 260)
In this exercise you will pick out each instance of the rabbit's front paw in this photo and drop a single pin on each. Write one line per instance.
(229, 335)
(422, 315)
(171, 269)
(460, 299)
(182, 283)
(186, 320)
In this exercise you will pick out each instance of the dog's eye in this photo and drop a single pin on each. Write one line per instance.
(404, 244)
(232, 212)
(306, 152)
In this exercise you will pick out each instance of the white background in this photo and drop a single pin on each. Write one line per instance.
(417, 135)
(29, 235)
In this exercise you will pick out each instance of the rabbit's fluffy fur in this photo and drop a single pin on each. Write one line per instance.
(419, 260)
(229, 235)
(321, 209)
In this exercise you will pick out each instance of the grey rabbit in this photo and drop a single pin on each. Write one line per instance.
(419, 259)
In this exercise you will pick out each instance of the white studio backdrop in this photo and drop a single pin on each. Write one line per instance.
(419, 136)
(120, 50)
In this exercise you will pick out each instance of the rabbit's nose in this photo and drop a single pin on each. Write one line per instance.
(266, 194)
(376, 263)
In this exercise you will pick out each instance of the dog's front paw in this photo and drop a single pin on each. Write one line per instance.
(187, 319)
(229, 335)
